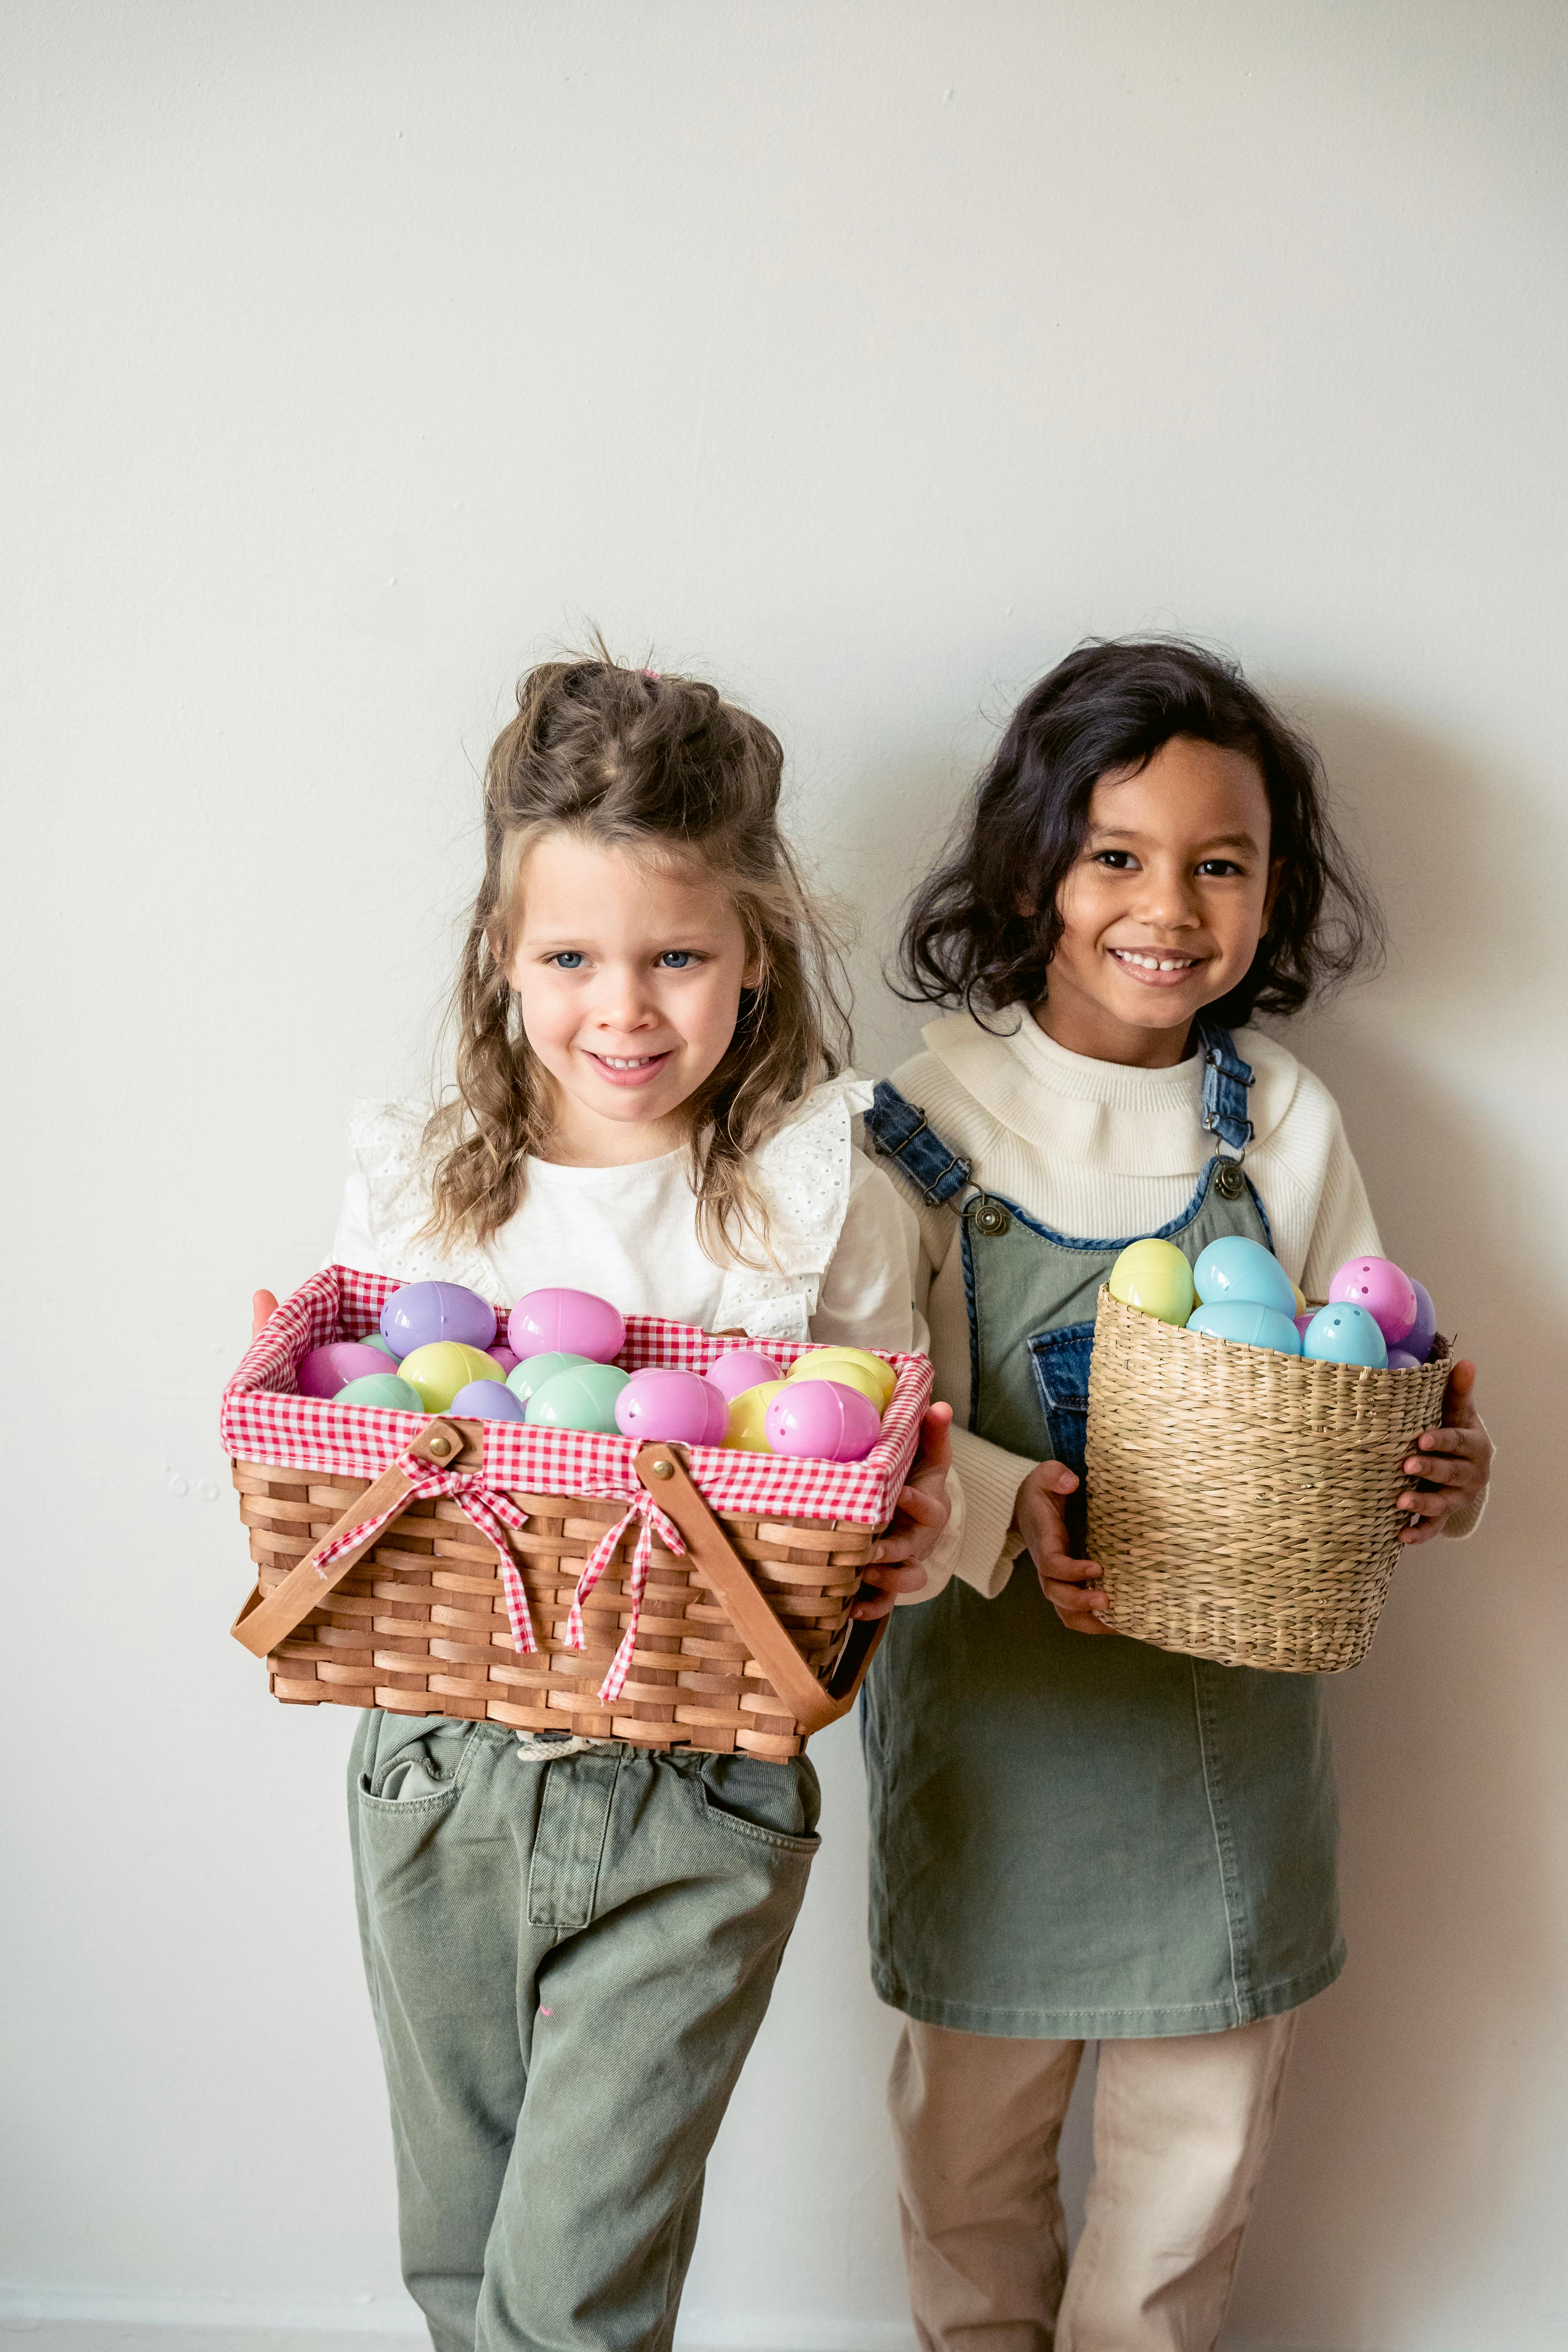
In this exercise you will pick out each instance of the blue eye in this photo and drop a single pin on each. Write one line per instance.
(568, 959)
(676, 959)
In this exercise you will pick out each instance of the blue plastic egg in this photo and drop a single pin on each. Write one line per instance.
(1254, 1326)
(1345, 1334)
(1234, 1270)
(534, 1371)
(486, 1401)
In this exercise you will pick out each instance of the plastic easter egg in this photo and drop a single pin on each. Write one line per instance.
(382, 1345)
(738, 1369)
(1254, 1326)
(824, 1419)
(663, 1402)
(440, 1369)
(1303, 1319)
(421, 1314)
(857, 1367)
(1344, 1333)
(325, 1370)
(717, 1415)
(1155, 1277)
(1383, 1288)
(383, 1389)
(746, 1427)
(531, 1372)
(574, 1320)
(1424, 1330)
(486, 1401)
(505, 1357)
(1400, 1359)
(1233, 1271)
(1300, 1297)
(582, 1396)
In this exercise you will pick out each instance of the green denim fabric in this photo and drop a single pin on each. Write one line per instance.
(568, 1961)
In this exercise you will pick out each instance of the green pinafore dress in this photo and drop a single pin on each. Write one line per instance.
(1074, 1837)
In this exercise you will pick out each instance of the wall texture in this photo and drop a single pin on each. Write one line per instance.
(865, 356)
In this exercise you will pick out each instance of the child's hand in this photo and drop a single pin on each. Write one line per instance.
(1456, 1459)
(1071, 1586)
(924, 1511)
(263, 1307)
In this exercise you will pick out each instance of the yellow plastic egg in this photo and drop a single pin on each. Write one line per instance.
(1155, 1277)
(443, 1367)
(747, 1413)
(856, 1367)
(1300, 1299)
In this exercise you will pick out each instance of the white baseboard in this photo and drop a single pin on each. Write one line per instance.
(36, 2314)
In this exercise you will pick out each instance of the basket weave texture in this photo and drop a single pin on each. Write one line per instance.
(1240, 1503)
(419, 1624)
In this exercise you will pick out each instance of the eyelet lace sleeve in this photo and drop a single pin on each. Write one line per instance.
(386, 1139)
(804, 1173)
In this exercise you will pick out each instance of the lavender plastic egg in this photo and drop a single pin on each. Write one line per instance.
(1400, 1359)
(1344, 1333)
(666, 1404)
(504, 1357)
(572, 1320)
(1301, 1320)
(740, 1369)
(823, 1419)
(1424, 1330)
(532, 1371)
(486, 1401)
(327, 1370)
(583, 1397)
(383, 1388)
(1383, 1288)
(421, 1314)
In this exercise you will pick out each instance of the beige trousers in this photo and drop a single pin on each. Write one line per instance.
(1182, 2129)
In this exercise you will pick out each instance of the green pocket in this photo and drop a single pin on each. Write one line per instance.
(767, 1804)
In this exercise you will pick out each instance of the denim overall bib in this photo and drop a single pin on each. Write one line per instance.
(1077, 1837)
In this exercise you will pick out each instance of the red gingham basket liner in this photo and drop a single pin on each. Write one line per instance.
(265, 1419)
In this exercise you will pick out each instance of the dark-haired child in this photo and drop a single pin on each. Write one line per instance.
(1078, 1838)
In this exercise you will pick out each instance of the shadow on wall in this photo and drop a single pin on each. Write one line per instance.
(1411, 2129)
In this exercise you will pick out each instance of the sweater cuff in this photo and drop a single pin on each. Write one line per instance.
(991, 1479)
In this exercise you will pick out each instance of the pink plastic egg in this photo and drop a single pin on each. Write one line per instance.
(740, 1369)
(327, 1370)
(666, 1404)
(1301, 1320)
(824, 1419)
(574, 1321)
(1382, 1288)
(504, 1357)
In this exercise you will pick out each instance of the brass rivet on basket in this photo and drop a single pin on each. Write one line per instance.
(440, 1447)
(662, 1469)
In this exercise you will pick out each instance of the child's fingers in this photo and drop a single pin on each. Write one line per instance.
(263, 1307)
(1421, 1532)
(1457, 1397)
(889, 1583)
(1442, 1469)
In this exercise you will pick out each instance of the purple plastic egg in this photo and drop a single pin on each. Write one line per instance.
(421, 1313)
(1301, 1320)
(486, 1401)
(1400, 1359)
(1384, 1291)
(574, 1321)
(504, 1357)
(824, 1419)
(740, 1369)
(1424, 1330)
(327, 1370)
(667, 1405)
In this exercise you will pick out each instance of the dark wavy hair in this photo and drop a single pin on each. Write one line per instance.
(1107, 709)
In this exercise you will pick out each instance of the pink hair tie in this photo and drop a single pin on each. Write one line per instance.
(652, 673)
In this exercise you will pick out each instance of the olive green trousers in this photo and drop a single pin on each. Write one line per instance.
(568, 1961)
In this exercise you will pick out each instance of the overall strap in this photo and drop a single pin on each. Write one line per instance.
(900, 1132)
(1227, 1078)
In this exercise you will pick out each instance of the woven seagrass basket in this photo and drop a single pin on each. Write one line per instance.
(1240, 1503)
(741, 1641)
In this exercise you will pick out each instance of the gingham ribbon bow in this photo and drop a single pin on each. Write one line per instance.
(484, 1505)
(643, 1508)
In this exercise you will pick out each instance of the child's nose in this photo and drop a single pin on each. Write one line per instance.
(622, 999)
(1169, 900)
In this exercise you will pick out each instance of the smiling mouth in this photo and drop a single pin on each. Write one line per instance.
(629, 1069)
(1154, 970)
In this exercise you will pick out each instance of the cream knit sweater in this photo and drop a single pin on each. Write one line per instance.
(1094, 1150)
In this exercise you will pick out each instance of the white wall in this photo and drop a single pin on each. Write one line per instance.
(865, 356)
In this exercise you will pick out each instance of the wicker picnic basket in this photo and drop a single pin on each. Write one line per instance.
(1240, 1503)
(451, 1567)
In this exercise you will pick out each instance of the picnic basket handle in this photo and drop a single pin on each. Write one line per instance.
(813, 1705)
(261, 1625)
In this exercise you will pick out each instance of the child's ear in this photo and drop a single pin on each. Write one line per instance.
(1028, 905)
